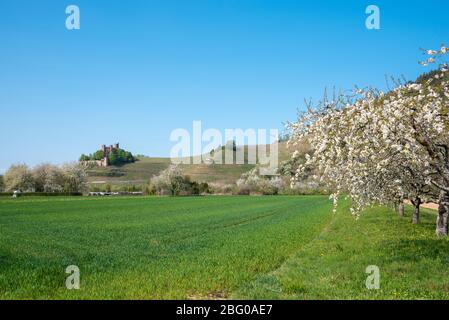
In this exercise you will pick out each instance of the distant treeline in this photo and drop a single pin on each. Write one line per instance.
(45, 179)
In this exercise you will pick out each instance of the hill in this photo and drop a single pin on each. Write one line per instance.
(141, 171)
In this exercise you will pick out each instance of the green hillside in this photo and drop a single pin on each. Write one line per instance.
(142, 170)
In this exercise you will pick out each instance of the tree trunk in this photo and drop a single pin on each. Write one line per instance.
(416, 204)
(443, 213)
(416, 215)
(401, 209)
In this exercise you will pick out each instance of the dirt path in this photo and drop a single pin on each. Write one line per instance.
(430, 205)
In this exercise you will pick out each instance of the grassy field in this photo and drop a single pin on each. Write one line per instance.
(215, 247)
(412, 261)
(150, 247)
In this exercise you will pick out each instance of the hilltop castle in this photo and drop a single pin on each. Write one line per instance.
(106, 152)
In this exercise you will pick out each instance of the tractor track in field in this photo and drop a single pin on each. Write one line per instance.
(241, 222)
(279, 269)
(225, 226)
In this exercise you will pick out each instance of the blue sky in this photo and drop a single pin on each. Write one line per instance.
(138, 69)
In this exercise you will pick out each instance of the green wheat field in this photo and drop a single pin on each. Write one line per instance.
(215, 247)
